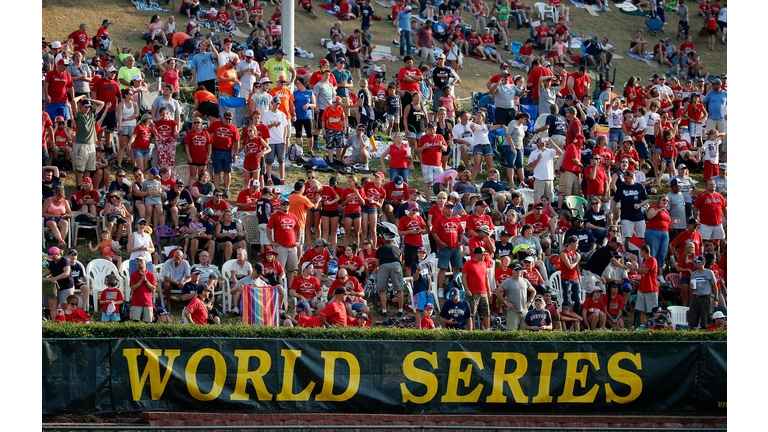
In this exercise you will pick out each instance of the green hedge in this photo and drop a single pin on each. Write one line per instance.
(139, 330)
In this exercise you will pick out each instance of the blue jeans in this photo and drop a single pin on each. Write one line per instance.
(572, 291)
(658, 241)
(405, 40)
(394, 172)
(515, 14)
(599, 236)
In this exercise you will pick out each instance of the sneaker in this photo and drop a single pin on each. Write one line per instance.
(382, 313)
(248, 24)
(226, 193)
(270, 182)
(288, 164)
(399, 313)
(441, 293)
(236, 311)
(282, 182)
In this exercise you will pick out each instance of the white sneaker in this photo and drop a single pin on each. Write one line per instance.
(236, 311)
(441, 293)
(287, 164)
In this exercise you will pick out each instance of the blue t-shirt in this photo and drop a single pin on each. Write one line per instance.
(342, 76)
(585, 237)
(421, 284)
(538, 318)
(628, 196)
(77, 271)
(204, 65)
(188, 288)
(123, 188)
(393, 105)
(462, 188)
(458, 311)
(301, 98)
(497, 186)
(367, 13)
(715, 103)
(404, 22)
(557, 125)
(502, 250)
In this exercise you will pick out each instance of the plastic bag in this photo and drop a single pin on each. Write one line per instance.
(110, 308)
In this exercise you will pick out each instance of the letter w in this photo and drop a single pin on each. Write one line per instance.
(151, 370)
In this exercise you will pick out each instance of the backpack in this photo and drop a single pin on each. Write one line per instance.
(125, 311)
(295, 153)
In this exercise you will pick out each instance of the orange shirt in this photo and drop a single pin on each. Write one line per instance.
(333, 118)
(205, 95)
(299, 206)
(286, 100)
(227, 72)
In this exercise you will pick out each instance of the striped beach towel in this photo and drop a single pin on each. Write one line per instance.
(260, 305)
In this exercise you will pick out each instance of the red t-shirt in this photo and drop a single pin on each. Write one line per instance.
(329, 194)
(333, 118)
(606, 155)
(108, 91)
(370, 260)
(537, 224)
(684, 237)
(198, 145)
(535, 74)
(649, 281)
(613, 304)
(79, 39)
(487, 39)
(356, 287)
(245, 197)
(58, 83)
(525, 50)
(632, 153)
(396, 194)
(573, 273)
(502, 275)
(532, 275)
(373, 193)
(102, 32)
(143, 295)
(355, 261)
(477, 241)
(354, 205)
(571, 152)
(513, 228)
(112, 294)
(378, 91)
(60, 137)
(223, 136)
(427, 323)
(475, 276)
(353, 46)
(447, 230)
(165, 128)
(475, 41)
(284, 226)
(592, 306)
(408, 86)
(307, 321)
(433, 151)
(335, 313)
(596, 186)
(318, 76)
(408, 223)
(318, 259)
(681, 145)
(198, 310)
(669, 148)
(222, 17)
(46, 123)
(307, 288)
(76, 315)
(254, 145)
(273, 267)
(661, 221)
(143, 137)
(580, 85)
(711, 206)
(474, 222)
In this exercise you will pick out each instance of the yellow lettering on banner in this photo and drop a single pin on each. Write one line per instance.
(572, 375)
(455, 374)
(151, 370)
(287, 394)
(513, 378)
(255, 376)
(625, 377)
(329, 373)
(546, 375)
(219, 374)
(415, 374)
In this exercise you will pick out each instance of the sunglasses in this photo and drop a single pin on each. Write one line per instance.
(121, 176)
(142, 223)
(227, 118)
(218, 195)
(594, 203)
(74, 304)
(441, 198)
(196, 122)
(310, 178)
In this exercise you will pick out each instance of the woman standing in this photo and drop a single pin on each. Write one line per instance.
(56, 211)
(504, 93)
(453, 53)
(483, 147)
(81, 74)
(686, 267)
(514, 152)
(140, 246)
(140, 140)
(374, 200)
(170, 73)
(329, 215)
(400, 157)
(445, 129)
(59, 271)
(364, 107)
(304, 102)
(351, 199)
(127, 113)
(657, 230)
(414, 122)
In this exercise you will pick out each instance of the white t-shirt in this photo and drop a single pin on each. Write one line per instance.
(545, 169)
(336, 46)
(248, 78)
(639, 124)
(712, 151)
(651, 118)
(615, 118)
(225, 57)
(276, 133)
(481, 134)
(464, 133)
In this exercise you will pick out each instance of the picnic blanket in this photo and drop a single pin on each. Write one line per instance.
(260, 305)
(637, 57)
(142, 5)
(516, 64)
(581, 5)
(378, 56)
(331, 9)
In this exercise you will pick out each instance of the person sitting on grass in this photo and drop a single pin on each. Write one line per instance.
(197, 310)
(538, 318)
(569, 319)
(111, 296)
(73, 314)
(593, 311)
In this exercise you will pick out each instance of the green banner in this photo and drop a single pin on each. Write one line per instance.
(388, 376)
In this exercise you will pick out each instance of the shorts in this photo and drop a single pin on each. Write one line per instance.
(427, 55)
(540, 41)
(415, 135)
(334, 139)
(107, 317)
(430, 172)
(353, 216)
(616, 134)
(263, 234)
(85, 157)
(630, 228)
(695, 128)
(685, 280)
(393, 118)
(208, 108)
(313, 211)
(478, 305)
(368, 210)
(329, 213)
(409, 253)
(61, 296)
(353, 61)
(251, 166)
(139, 312)
(657, 149)
(221, 160)
(668, 160)
(58, 109)
(489, 50)
(126, 131)
(711, 232)
(647, 301)
(115, 217)
(287, 257)
(61, 151)
(356, 306)
(420, 299)
(303, 125)
(712, 32)
(141, 154)
(569, 184)
(483, 149)
(515, 320)
(110, 121)
(277, 148)
(447, 256)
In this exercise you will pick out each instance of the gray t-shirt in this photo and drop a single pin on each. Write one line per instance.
(533, 241)
(505, 96)
(702, 282)
(81, 86)
(721, 183)
(517, 132)
(178, 273)
(174, 109)
(614, 273)
(354, 143)
(516, 291)
(150, 186)
(683, 12)
(686, 183)
(325, 93)
(676, 208)
(547, 97)
(262, 101)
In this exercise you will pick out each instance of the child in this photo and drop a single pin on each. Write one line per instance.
(62, 144)
(193, 228)
(166, 136)
(512, 224)
(615, 306)
(393, 110)
(426, 322)
(72, 313)
(449, 103)
(593, 311)
(640, 125)
(569, 319)
(668, 156)
(255, 147)
(641, 178)
(421, 283)
(153, 202)
(167, 183)
(112, 295)
(109, 248)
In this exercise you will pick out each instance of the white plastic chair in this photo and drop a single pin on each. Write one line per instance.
(69, 232)
(527, 196)
(556, 285)
(226, 272)
(545, 9)
(76, 228)
(679, 316)
(95, 272)
(159, 276)
(182, 172)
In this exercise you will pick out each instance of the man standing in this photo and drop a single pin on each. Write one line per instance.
(446, 230)
(224, 135)
(57, 87)
(427, 46)
(703, 291)
(143, 285)
(227, 77)
(282, 232)
(278, 125)
(248, 71)
(409, 77)
(541, 161)
(455, 312)
(569, 273)
(716, 101)
(648, 291)
(439, 77)
(300, 204)
(476, 281)
(171, 104)
(279, 66)
(430, 149)
(353, 52)
(711, 207)
(203, 66)
(176, 273)
(632, 197)
(389, 260)
(404, 30)
(85, 137)
(598, 181)
(570, 184)
(575, 127)
(464, 136)
(107, 90)
(516, 293)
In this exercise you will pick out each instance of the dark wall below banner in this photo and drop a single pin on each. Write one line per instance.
(381, 376)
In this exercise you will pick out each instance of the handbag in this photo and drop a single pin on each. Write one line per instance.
(50, 289)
